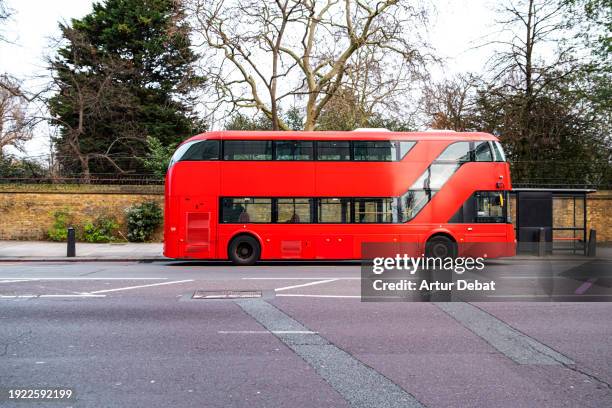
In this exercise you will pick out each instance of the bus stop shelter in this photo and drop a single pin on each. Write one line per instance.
(556, 217)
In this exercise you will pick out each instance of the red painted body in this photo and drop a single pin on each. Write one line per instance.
(193, 189)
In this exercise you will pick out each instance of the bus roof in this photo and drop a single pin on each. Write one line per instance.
(342, 135)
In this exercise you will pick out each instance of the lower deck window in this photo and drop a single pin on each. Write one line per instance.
(373, 210)
(246, 210)
(334, 210)
(490, 207)
(293, 210)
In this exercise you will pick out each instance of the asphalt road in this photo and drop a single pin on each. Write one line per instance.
(131, 335)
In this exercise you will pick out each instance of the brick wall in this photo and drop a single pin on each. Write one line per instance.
(26, 211)
(599, 214)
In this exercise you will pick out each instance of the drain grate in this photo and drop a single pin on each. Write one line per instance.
(226, 294)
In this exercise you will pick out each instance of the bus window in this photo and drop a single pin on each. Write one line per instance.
(293, 210)
(247, 150)
(404, 148)
(374, 150)
(334, 151)
(482, 152)
(456, 152)
(490, 206)
(246, 210)
(375, 210)
(294, 150)
(412, 202)
(499, 152)
(435, 176)
(202, 150)
(334, 210)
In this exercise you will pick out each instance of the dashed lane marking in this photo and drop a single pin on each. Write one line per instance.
(305, 284)
(139, 286)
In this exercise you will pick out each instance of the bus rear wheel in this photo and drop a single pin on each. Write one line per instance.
(244, 250)
(440, 246)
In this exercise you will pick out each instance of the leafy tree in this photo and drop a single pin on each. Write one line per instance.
(158, 157)
(124, 72)
(12, 167)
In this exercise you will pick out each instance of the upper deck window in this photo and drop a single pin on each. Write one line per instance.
(339, 150)
(456, 152)
(384, 150)
(498, 151)
(247, 150)
(197, 150)
(482, 152)
(294, 150)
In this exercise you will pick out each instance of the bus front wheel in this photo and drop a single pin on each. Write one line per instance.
(441, 246)
(244, 250)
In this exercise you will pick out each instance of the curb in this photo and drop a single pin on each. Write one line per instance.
(83, 259)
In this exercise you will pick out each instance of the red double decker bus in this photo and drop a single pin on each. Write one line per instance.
(246, 196)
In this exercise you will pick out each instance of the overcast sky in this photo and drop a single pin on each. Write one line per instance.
(456, 28)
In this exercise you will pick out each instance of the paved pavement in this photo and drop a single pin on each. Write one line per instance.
(130, 334)
(43, 250)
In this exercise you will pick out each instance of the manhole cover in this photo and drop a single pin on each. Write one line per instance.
(226, 294)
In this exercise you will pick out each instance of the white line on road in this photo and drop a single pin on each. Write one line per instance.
(553, 295)
(17, 280)
(80, 295)
(266, 332)
(16, 296)
(82, 279)
(300, 278)
(319, 296)
(305, 284)
(140, 286)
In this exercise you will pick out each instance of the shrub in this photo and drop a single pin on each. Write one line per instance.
(142, 220)
(101, 230)
(58, 232)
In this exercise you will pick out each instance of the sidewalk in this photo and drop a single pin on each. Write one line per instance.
(56, 251)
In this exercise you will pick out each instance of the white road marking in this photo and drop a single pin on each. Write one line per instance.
(301, 278)
(305, 284)
(88, 295)
(83, 279)
(16, 296)
(82, 295)
(140, 286)
(319, 296)
(554, 295)
(266, 332)
(17, 280)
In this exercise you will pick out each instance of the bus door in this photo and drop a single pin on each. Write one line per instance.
(487, 234)
(200, 226)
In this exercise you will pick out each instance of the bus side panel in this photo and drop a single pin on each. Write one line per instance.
(200, 226)
(193, 191)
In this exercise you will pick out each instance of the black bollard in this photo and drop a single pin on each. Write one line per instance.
(592, 245)
(542, 242)
(71, 241)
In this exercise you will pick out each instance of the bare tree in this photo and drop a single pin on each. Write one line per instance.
(306, 50)
(92, 96)
(451, 104)
(529, 28)
(15, 120)
(5, 14)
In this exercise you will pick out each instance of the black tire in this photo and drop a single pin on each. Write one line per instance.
(244, 250)
(441, 246)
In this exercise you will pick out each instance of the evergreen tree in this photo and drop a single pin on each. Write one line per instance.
(125, 72)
